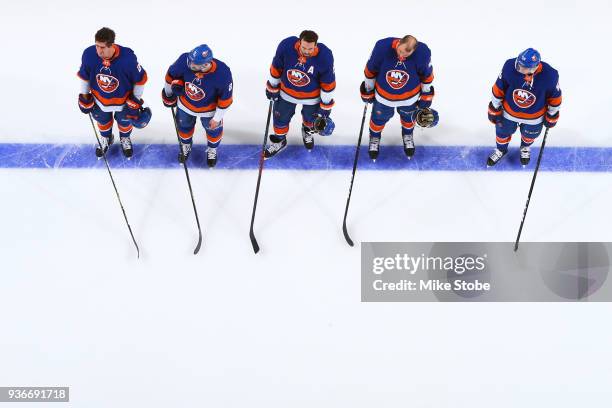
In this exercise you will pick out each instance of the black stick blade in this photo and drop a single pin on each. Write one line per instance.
(197, 248)
(254, 242)
(346, 236)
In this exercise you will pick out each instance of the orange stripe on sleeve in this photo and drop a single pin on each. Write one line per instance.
(428, 80)
(328, 87)
(499, 93)
(369, 74)
(275, 72)
(143, 80)
(224, 103)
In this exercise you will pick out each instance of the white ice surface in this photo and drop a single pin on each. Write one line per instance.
(286, 328)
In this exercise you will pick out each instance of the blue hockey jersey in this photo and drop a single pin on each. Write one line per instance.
(304, 80)
(527, 98)
(205, 93)
(111, 80)
(397, 81)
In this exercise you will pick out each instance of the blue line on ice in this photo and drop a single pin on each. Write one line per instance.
(295, 157)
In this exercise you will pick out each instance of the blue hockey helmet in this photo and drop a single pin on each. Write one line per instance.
(528, 59)
(199, 57)
(324, 125)
(144, 116)
(426, 117)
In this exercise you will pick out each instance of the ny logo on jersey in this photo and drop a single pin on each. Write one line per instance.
(194, 92)
(396, 78)
(107, 83)
(298, 78)
(523, 98)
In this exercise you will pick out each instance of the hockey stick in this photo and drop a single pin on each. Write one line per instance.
(261, 163)
(348, 200)
(195, 211)
(114, 185)
(535, 173)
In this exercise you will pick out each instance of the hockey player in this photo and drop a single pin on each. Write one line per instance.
(112, 83)
(201, 87)
(525, 95)
(302, 72)
(399, 76)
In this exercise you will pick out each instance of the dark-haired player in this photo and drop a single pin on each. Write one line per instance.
(112, 83)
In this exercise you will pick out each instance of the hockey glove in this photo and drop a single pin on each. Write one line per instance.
(169, 101)
(272, 92)
(426, 98)
(178, 87)
(427, 118)
(324, 125)
(86, 103)
(132, 107)
(495, 114)
(366, 96)
(551, 120)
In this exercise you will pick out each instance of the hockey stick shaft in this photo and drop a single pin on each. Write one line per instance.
(535, 174)
(114, 185)
(348, 200)
(195, 210)
(261, 165)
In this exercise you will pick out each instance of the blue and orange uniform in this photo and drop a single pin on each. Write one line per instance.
(113, 83)
(306, 80)
(402, 84)
(205, 95)
(526, 101)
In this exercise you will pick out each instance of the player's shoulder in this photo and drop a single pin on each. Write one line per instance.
(384, 44)
(222, 67)
(324, 52)
(182, 59)
(509, 66)
(90, 52)
(288, 43)
(549, 71)
(126, 52)
(422, 51)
